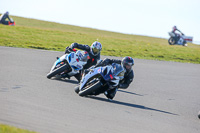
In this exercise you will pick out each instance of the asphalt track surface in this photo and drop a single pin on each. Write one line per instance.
(163, 98)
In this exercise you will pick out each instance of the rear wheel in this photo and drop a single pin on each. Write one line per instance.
(57, 71)
(171, 41)
(90, 88)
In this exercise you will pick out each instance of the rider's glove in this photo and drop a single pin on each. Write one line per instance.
(74, 45)
(105, 62)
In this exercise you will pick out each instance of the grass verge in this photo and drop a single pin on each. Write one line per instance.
(32, 33)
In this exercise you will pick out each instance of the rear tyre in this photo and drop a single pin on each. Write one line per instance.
(171, 41)
(57, 71)
(90, 89)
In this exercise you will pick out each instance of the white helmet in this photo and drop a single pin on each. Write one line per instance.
(95, 48)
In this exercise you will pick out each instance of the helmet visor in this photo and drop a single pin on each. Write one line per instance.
(95, 51)
(128, 66)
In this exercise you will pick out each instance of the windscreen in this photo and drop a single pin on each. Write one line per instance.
(118, 70)
(84, 56)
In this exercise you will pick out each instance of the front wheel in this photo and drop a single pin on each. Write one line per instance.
(76, 89)
(199, 114)
(89, 89)
(57, 71)
(171, 41)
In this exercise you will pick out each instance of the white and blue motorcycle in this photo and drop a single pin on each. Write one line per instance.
(69, 65)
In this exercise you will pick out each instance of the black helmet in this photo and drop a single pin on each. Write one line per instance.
(127, 63)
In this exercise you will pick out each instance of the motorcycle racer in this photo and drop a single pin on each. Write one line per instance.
(174, 29)
(127, 63)
(94, 53)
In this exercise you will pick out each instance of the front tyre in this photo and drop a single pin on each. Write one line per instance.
(199, 115)
(89, 89)
(184, 43)
(57, 71)
(76, 89)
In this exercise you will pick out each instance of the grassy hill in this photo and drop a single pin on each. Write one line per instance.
(32, 33)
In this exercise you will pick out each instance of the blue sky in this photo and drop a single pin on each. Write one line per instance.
(141, 17)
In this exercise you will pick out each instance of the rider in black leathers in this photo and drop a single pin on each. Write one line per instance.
(94, 53)
(127, 63)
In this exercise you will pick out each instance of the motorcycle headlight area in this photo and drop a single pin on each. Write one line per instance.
(121, 75)
(107, 73)
(106, 70)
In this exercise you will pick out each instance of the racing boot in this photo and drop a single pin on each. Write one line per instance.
(110, 94)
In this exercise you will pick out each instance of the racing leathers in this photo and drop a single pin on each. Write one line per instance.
(177, 34)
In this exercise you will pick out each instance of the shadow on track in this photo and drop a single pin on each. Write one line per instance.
(67, 80)
(130, 105)
(130, 92)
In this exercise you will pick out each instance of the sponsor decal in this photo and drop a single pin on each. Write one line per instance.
(111, 76)
(72, 55)
(99, 70)
(78, 66)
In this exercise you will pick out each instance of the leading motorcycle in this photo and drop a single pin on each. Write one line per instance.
(100, 79)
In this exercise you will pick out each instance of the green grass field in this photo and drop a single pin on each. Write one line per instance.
(10, 129)
(32, 33)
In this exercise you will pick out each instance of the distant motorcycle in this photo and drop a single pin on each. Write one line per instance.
(100, 79)
(69, 64)
(179, 40)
